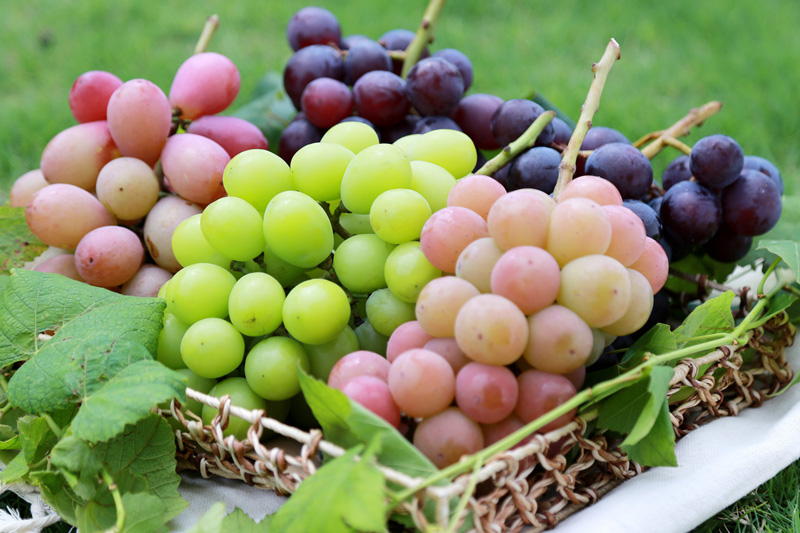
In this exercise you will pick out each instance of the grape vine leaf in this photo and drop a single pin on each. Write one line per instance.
(789, 251)
(658, 385)
(658, 447)
(698, 264)
(658, 340)
(215, 520)
(36, 438)
(17, 244)
(712, 316)
(78, 464)
(15, 469)
(270, 110)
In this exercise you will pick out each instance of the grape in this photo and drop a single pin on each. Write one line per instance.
(439, 302)
(190, 246)
(460, 60)
(476, 192)
(562, 130)
(520, 218)
(386, 311)
(169, 342)
(380, 97)
(448, 348)
(513, 117)
(627, 235)
(63, 264)
(623, 165)
(716, 161)
(395, 132)
(313, 25)
(597, 288)
(234, 228)
(495, 432)
(407, 336)
(690, 213)
(434, 122)
(359, 263)
(241, 395)
(212, 348)
(598, 136)
(194, 166)
(234, 134)
(60, 215)
(407, 271)
(365, 56)
(535, 168)
(434, 86)
(24, 187)
(139, 119)
(578, 227)
(375, 395)
(255, 304)
(307, 64)
(271, 367)
(316, 311)
(594, 188)
(473, 114)
(528, 276)
(146, 282)
(450, 149)
(160, 225)
(559, 340)
(752, 204)
(199, 384)
(728, 246)
(297, 134)
(399, 39)
(577, 377)
(205, 84)
(422, 382)
(541, 392)
(433, 182)
(257, 176)
(359, 363)
(370, 339)
(648, 215)
(678, 170)
(76, 155)
(653, 264)
(447, 232)
(352, 135)
(639, 309)
(486, 393)
(323, 357)
(199, 291)
(446, 437)
(297, 229)
(372, 171)
(475, 263)
(326, 102)
(397, 215)
(754, 162)
(88, 97)
(491, 329)
(351, 40)
(127, 187)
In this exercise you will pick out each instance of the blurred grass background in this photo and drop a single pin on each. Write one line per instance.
(675, 55)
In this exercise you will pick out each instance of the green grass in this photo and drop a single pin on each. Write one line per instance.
(675, 55)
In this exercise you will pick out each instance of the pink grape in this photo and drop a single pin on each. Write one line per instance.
(128, 188)
(422, 383)
(578, 227)
(448, 348)
(491, 329)
(500, 430)
(360, 363)
(140, 119)
(63, 264)
(476, 262)
(205, 84)
(486, 393)
(638, 310)
(594, 188)
(540, 393)
(77, 154)
(147, 281)
(653, 263)
(109, 256)
(627, 234)
(373, 394)
(559, 341)
(577, 377)
(159, 226)
(476, 192)
(528, 276)
(447, 436)
(194, 166)
(439, 302)
(24, 187)
(597, 288)
(407, 336)
(520, 218)
(447, 232)
(60, 215)
(89, 95)
(234, 134)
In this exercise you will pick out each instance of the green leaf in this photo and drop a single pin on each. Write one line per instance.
(271, 109)
(11, 443)
(15, 469)
(100, 513)
(713, 316)
(343, 495)
(636, 406)
(347, 424)
(701, 264)
(788, 250)
(780, 302)
(215, 520)
(126, 398)
(57, 494)
(36, 438)
(17, 244)
(211, 521)
(35, 303)
(4, 279)
(658, 447)
(658, 384)
(78, 464)
(144, 513)
(658, 340)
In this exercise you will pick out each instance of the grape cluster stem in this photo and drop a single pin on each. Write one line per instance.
(211, 25)
(424, 35)
(522, 143)
(695, 117)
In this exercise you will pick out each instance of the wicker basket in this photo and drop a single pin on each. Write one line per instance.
(532, 485)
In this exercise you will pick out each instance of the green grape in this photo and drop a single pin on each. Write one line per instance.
(407, 271)
(397, 216)
(371, 340)
(317, 170)
(287, 274)
(404, 143)
(374, 170)
(198, 383)
(190, 246)
(255, 304)
(241, 395)
(322, 357)
(199, 291)
(256, 176)
(297, 229)
(359, 263)
(169, 342)
(354, 136)
(432, 182)
(316, 311)
(212, 347)
(356, 224)
(162, 292)
(233, 227)
(386, 311)
(271, 367)
(450, 149)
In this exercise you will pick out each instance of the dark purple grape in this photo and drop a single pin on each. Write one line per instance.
(597, 136)
(501, 176)
(473, 114)
(513, 117)
(765, 166)
(326, 102)
(624, 166)
(691, 213)
(307, 64)
(460, 60)
(658, 314)
(435, 122)
(607, 359)
(650, 218)
(727, 246)
(535, 168)
(399, 40)
(562, 130)
(480, 162)
(677, 171)
(313, 25)
(716, 161)
(390, 134)
(365, 56)
(655, 203)
(752, 204)
(296, 135)
(675, 251)
(434, 86)
(350, 41)
(380, 97)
